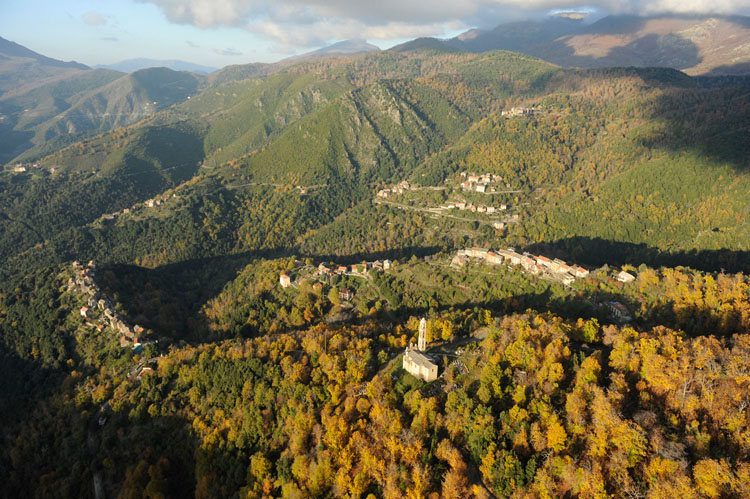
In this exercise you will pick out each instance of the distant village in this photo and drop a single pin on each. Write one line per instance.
(399, 188)
(518, 111)
(487, 183)
(539, 265)
(149, 203)
(484, 184)
(100, 311)
(24, 167)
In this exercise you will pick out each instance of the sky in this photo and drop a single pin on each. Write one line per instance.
(221, 32)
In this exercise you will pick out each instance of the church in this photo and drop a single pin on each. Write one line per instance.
(416, 363)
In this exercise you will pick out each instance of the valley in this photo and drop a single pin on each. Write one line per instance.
(266, 242)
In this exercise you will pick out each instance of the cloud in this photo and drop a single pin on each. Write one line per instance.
(207, 13)
(321, 31)
(312, 22)
(229, 52)
(192, 44)
(110, 39)
(94, 19)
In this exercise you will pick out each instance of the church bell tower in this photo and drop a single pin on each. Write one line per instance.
(422, 341)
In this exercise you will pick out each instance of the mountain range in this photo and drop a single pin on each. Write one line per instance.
(69, 106)
(130, 65)
(48, 103)
(695, 45)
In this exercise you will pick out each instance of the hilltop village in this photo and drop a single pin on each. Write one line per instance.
(539, 265)
(99, 310)
(325, 272)
(533, 264)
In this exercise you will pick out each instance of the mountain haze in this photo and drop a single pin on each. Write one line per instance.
(345, 47)
(517, 36)
(28, 110)
(130, 65)
(126, 100)
(60, 108)
(12, 49)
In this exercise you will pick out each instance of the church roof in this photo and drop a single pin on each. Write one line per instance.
(419, 359)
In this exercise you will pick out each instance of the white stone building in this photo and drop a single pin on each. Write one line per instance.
(416, 363)
(419, 366)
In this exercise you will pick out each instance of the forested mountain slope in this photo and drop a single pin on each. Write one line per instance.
(620, 162)
(530, 403)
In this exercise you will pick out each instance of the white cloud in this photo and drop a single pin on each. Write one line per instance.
(94, 19)
(207, 13)
(227, 52)
(322, 31)
(312, 22)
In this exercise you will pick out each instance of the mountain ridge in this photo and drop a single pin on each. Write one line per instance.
(344, 47)
(130, 65)
(13, 49)
(21, 66)
(695, 44)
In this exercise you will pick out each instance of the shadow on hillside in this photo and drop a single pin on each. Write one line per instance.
(705, 115)
(168, 298)
(18, 379)
(712, 119)
(615, 25)
(669, 50)
(13, 143)
(708, 114)
(695, 319)
(739, 70)
(662, 50)
(595, 252)
(158, 454)
(151, 453)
